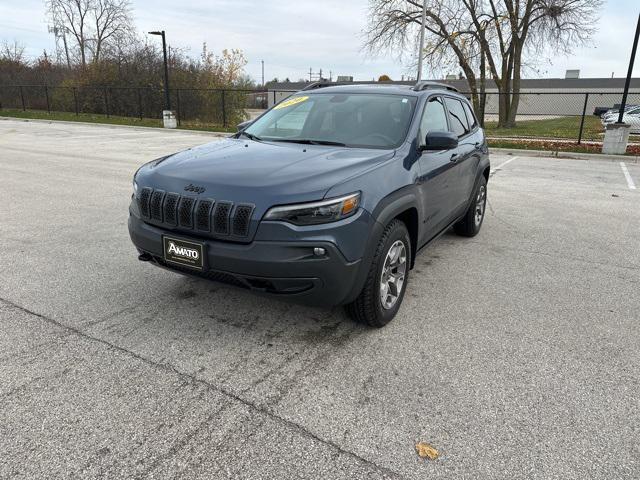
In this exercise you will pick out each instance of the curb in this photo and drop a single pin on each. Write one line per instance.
(114, 125)
(566, 155)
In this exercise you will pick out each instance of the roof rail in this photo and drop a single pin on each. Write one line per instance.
(314, 85)
(426, 85)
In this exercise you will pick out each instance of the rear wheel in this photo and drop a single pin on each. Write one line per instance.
(386, 282)
(470, 224)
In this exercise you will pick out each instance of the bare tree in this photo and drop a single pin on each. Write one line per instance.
(111, 21)
(72, 17)
(12, 52)
(92, 25)
(482, 35)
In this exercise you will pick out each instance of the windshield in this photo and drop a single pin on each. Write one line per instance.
(349, 119)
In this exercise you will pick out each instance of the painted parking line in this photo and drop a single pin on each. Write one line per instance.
(499, 167)
(627, 175)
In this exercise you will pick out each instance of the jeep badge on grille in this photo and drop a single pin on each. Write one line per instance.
(192, 188)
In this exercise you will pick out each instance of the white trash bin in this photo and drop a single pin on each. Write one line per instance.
(169, 119)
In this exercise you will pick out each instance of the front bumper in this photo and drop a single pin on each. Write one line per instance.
(287, 269)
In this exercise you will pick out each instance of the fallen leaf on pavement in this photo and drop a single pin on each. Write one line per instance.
(426, 451)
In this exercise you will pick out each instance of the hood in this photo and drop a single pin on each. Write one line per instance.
(262, 173)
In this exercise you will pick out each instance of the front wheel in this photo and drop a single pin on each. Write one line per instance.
(386, 282)
(470, 224)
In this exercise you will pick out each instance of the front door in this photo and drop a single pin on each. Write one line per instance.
(438, 173)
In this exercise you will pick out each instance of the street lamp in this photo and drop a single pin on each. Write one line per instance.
(421, 43)
(616, 135)
(629, 72)
(167, 99)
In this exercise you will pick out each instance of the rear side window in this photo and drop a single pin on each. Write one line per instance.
(458, 118)
(471, 118)
(434, 118)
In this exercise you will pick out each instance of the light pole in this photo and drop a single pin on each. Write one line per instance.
(167, 99)
(629, 72)
(421, 47)
(616, 135)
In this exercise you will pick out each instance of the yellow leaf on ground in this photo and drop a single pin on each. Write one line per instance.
(426, 451)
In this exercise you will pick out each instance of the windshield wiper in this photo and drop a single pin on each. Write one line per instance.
(250, 136)
(309, 142)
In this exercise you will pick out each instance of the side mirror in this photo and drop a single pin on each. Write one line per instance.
(243, 125)
(440, 141)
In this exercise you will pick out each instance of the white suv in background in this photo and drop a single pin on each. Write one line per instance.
(630, 117)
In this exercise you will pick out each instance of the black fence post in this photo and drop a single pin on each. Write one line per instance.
(106, 102)
(139, 104)
(75, 101)
(24, 108)
(224, 111)
(584, 111)
(274, 98)
(46, 93)
(178, 105)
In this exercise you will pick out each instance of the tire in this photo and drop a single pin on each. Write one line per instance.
(470, 224)
(368, 307)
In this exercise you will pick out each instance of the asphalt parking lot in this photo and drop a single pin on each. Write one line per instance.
(515, 353)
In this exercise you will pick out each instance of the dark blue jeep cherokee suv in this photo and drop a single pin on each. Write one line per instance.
(325, 199)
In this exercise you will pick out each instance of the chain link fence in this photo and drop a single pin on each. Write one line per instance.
(204, 107)
(574, 117)
(566, 116)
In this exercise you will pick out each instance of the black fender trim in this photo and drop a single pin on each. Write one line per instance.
(387, 209)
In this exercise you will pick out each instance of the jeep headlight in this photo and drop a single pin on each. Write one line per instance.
(316, 212)
(135, 188)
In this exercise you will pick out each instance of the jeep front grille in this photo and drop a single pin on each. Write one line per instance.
(241, 220)
(203, 215)
(171, 209)
(216, 217)
(143, 201)
(185, 212)
(221, 216)
(156, 205)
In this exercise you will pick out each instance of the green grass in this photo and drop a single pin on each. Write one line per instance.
(111, 119)
(562, 128)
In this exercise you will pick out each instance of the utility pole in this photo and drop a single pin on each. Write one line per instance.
(310, 73)
(629, 72)
(421, 47)
(262, 61)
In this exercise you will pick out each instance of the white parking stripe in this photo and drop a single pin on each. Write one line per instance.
(627, 175)
(502, 165)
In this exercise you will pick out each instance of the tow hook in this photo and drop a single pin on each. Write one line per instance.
(144, 257)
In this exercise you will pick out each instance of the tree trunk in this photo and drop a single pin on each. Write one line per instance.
(515, 91)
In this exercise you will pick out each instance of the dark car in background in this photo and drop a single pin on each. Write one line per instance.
(325, 199)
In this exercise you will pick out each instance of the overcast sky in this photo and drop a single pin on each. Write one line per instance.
(293, 35)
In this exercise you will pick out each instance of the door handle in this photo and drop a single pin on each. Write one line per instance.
(478, 144)
(454, 158)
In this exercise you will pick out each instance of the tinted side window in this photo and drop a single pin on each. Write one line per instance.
(434, 118)
(457, 117)
(473, 123)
